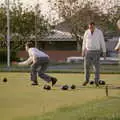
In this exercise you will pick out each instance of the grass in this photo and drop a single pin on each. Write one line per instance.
(20, 101)
(106, 109)
(65, 68)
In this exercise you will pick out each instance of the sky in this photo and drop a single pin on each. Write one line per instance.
(45, 6)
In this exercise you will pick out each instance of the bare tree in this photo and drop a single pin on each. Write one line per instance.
(77, 14)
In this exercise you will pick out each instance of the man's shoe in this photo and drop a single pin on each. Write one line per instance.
(97, 83)
(34, 83)
(85, 83)
(54, 80)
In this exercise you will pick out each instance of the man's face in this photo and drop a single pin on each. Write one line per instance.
(118, 24)
(91, 27)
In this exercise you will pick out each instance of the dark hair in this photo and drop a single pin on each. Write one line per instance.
(29, 44)
(91, 23)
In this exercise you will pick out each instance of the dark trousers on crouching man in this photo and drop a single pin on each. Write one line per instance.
(40, 67)
(92, 58)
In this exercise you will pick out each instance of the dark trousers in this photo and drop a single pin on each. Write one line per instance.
(92, 58)
(40, 67)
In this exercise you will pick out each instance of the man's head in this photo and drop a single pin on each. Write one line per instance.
(91, 26)
(118, 24)
(29, 45)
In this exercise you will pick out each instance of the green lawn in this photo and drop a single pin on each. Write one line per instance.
(21, 101)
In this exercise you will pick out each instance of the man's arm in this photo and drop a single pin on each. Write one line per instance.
(117, 48)
(27, 62)
(84, 45)
(102, 42)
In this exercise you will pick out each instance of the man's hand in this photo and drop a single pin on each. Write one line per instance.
(104, 55)
(84, 52)
(117, 49)
(14, 63)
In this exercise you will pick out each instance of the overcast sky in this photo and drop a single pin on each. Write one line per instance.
(45, 5)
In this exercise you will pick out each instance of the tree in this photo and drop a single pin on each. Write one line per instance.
(22, 25)
(3, 20)
(22, 21)
(78, 14)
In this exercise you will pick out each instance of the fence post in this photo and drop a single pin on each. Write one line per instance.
(8, 33)
(106, 90)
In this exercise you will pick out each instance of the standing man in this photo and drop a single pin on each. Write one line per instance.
(93, 42)
(38, 61)
(117, 47)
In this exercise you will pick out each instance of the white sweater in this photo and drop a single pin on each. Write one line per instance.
(93, 41)
(33, 54)
(118, 45)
